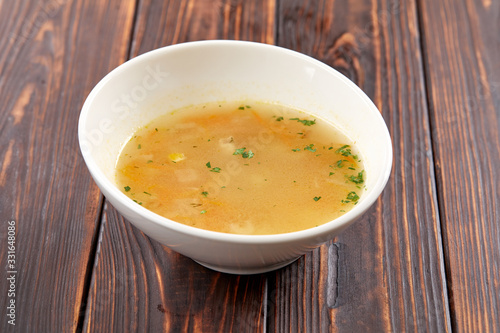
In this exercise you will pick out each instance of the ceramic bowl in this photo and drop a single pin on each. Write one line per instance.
(192, 73)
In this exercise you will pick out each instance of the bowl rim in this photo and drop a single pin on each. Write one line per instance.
(319, 232)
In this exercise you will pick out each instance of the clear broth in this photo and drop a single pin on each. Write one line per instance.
(242, 168)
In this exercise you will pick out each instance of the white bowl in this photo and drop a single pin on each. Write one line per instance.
(197, 72)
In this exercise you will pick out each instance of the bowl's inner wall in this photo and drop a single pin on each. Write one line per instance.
(160, 82)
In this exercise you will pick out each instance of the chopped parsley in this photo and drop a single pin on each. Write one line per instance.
(340, 163)
(203, 212)
(243, 153)
(127, 188)
(239, 151)
(357, 179)
(279, 119)
(310, 148)
(316, 198)
(248, 154)
(149, 161)
(346, 151)
(204, 193)
(139, 146)
(215, 169)
(351, 197)
(305, 122)
(147, 193)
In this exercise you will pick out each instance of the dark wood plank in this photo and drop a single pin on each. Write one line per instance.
(161, 23)
(53, 52)
(386, 272)
(463, 74)
(140, 285)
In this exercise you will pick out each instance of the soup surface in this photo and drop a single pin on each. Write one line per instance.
(243, 168)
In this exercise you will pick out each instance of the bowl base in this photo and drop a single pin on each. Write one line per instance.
(246, 270)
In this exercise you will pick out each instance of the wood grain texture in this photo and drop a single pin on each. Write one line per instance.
(463, 74)
(432, 69)
(139, 285)
(161, 23)
(47, 50)
(386, 272)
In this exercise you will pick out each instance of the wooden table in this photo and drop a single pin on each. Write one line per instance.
(426, 256)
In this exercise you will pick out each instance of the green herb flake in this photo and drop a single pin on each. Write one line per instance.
(208, 165)
(239, 151)
(204, 193)
(357, 179)
(146, 193)
(316, 198)
(149, 161)
(352, 196)
(331, 173)
(139, 146)
(248, 154)
(216, 169)
(305, 122)
(345, 150)
(127, 188)
(296, 149)
(203, 212)
(310, 148)
(245, 154)
(340, 163)
(279, 119)
(156, 129)
(241, 108)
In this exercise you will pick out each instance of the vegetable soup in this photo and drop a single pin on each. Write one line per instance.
(242, 168)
